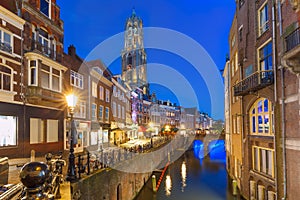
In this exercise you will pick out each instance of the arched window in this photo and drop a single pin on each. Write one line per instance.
(261, 117)
(5, 78)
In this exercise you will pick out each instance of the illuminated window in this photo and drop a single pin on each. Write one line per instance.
(80, 110)
(43, 130)
(263, 160)
(8, 131)
(101, 92)
(94, 89)
(261, 114)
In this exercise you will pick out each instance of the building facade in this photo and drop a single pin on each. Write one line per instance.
(39, 48)
(100, 94)
(264, 108)
(11, 78)
(288, 48)
(76, 81)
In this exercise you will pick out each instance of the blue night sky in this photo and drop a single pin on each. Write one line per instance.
(88, 23)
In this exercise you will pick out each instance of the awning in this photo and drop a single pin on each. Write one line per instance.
(142, 129)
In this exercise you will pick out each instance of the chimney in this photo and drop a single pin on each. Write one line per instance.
(72, 50)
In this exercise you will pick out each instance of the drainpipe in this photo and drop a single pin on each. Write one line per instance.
(22, 74)
(274, 50)
(282, 106)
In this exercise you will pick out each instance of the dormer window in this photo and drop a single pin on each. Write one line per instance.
(45, 7)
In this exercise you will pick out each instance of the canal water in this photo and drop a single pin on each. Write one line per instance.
(193, 176)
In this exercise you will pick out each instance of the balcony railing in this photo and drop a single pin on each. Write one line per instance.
(292, 40)
(37, 94)
(5, 47)
(254, 82)
(46, 50)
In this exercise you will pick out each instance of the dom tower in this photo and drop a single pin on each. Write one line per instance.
(134, 70)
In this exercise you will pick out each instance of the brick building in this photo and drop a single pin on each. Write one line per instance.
(11, 78)
(267, 90)
(76, 80)
(252, 101)
(288, 158)
(100, 94)
(39, 84)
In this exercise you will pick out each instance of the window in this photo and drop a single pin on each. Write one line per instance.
(5, 78)
(100, 114)
(76, 79)
(119, 111)
(45, 7)
(43, 130)
(8, 130)
(94, 108)
(263, 19)
(80, 111)
(123, 112)
(241, 33)
(33, 72)
(101, 92)
(232, 68)
(114, 107)
(265, 57)
(261, 117)
(50, 78)
(107, 95)
(44, 41)
(241, 3)
(94, 89)
(5, 41)
(106, 114)
(233, 41)
(115, 91)
(263, 160)
(236, 61)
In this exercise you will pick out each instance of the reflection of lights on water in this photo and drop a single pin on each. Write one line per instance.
(168, 185)
(183, 175)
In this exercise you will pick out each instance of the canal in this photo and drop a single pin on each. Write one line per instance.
(193, 176)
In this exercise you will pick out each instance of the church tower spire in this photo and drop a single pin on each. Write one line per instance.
(134, 69)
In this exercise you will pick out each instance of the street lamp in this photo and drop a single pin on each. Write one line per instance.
(71, 100)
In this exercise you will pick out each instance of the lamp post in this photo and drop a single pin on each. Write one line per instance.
(71, 100)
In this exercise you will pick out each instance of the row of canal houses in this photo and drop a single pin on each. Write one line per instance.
(262, 95)
(36, 74)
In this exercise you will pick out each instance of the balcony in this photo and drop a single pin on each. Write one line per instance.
(292, 51)
(46, 51)
(254, 82)
(41, 96)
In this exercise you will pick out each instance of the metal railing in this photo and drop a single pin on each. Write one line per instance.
(254, 82)
(46, 50)
(292, 40)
